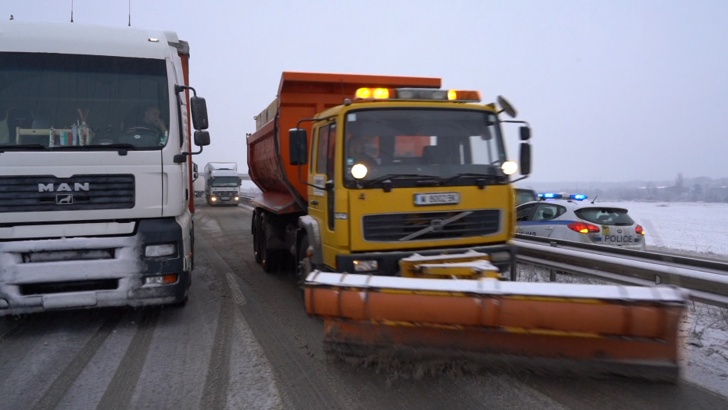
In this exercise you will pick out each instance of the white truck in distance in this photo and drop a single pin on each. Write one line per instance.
(96, 202)
(222, 183)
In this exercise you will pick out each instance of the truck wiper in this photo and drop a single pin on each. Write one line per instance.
(22, 147)
(480, 179)
(469, 175)
(107, 147)
(383, 178)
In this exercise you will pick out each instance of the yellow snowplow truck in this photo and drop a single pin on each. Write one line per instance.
(392, 199)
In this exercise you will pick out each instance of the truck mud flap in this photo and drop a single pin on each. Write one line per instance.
(597, 329)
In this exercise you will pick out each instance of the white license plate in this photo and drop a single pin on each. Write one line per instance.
(438, 198)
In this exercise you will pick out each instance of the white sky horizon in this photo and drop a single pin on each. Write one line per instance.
(613, 91)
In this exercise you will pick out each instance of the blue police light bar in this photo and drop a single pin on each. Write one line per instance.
(550, 195)
(578, 197)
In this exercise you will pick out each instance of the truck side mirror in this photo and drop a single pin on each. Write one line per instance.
(202, 138)
(198, 107)
(525, 159)
(298, 143)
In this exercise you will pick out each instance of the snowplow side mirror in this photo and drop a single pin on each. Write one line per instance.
(202, 138)
(525, 159)
(298, 143)
(507, 107)
(198, 107)
(525, 133)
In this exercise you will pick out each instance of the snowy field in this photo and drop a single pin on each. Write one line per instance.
(688, 226)
(697, 229)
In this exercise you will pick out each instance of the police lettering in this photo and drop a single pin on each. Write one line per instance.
(618, 239)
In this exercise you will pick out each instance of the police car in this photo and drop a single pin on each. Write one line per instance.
(573, 218)
(524, 195)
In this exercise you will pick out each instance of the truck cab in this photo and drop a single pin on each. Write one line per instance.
(95, 146)
(436, 179)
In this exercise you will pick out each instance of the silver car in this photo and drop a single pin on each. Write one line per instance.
(573, 218)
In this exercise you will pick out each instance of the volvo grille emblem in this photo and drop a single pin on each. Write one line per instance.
(437, 225)
(64, 199)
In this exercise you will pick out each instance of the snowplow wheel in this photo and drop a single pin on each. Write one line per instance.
(255, 228)
(267, 256)
(303, 265)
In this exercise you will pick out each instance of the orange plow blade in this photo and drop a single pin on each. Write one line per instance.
(623, 329)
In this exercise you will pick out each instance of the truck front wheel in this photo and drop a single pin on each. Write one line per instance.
(255, 230)
(303, 265)
(267, 256)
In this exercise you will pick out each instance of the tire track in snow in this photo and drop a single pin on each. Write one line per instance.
(313, 391)
(63, 382)
(17, 326)
(119, 392)
(214, 395)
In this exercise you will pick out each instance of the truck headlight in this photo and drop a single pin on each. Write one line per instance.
(359, 171)
(509, 167)
(155, 251)
(161, 280)
(367, 265)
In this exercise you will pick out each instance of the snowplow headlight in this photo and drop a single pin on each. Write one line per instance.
(509, 167)
(154, 251)
(366, 265)
(359, 171)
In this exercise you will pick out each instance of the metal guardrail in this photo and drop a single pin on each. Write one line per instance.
(707, 280)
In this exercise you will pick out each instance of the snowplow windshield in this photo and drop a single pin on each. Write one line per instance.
(445, 144)
(60, 102)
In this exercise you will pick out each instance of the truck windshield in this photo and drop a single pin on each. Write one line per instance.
(225, 181)
(65, 102)
(452, 146)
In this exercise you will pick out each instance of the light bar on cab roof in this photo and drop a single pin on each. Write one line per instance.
(378, 93)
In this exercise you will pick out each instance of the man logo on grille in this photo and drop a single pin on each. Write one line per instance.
(65, 199)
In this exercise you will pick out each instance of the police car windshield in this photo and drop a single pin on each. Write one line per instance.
(605, 216)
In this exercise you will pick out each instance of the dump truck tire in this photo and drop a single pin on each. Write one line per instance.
(267, 256)
(255, 230)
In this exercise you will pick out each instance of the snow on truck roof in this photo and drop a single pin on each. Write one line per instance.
(74, 38)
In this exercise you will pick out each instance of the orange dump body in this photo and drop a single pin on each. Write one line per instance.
(585, 323)
(302, 96)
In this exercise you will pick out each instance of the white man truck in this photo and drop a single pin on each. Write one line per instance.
(222, 183)
(95, 212)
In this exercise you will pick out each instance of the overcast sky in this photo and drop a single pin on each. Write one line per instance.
(614, 91)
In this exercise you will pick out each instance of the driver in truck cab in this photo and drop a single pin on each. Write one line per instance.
(357, 151)
(150, 117)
